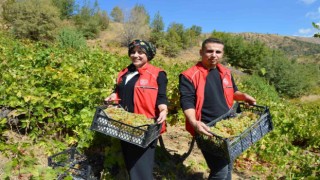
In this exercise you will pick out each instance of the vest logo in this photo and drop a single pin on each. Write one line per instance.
(225, 81)
(144, 81)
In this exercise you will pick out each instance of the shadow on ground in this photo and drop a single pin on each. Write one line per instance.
(170, 166)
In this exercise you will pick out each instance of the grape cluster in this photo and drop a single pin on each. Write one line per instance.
(233, 127)
(121, 115)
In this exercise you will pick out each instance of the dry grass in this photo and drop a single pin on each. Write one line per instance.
(109, 40)
(310, 98)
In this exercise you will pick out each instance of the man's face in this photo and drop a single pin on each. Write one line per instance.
(211, 54)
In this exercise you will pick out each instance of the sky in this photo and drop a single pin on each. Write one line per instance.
(281, 17)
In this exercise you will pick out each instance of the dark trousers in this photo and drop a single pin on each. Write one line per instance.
(220, 168)
(139, 161)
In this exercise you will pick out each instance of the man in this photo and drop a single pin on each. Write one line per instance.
(207, 91)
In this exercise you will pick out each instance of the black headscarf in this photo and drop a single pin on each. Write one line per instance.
(145, 46)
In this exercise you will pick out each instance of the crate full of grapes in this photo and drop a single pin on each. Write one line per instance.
(236, 131)
(134, 128)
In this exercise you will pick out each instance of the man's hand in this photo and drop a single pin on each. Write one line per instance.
(198, 126)
(240, 96)
(201, 128)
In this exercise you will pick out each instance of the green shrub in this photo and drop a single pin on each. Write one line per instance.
(171, 49)
(33, 19)
(71, 38)
(259, 88)
(289, 77)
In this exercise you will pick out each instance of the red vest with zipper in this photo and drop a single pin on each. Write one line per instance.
(197, 75)
(145, 91)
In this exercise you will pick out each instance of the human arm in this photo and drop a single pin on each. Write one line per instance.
(113, 96)
(163, 109)
(162, 99)
(198, 126)
(187, 100)
(240, 96)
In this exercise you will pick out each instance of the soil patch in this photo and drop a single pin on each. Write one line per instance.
(177, 142)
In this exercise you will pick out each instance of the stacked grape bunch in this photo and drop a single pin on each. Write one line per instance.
(126, 117)
(233, 127)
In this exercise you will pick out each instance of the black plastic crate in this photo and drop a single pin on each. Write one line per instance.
(75, 163)
(231, 148)
(141, 135)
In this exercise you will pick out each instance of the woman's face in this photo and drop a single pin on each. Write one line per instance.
(138, 57)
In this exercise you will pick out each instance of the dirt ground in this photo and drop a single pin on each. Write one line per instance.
(177, 142)
(169, 163)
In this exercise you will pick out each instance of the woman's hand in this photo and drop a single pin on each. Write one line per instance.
(162, 116)
(163, 113)
(112, 97)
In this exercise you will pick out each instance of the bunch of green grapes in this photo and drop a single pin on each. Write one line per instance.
(233, 127)
(121, 115)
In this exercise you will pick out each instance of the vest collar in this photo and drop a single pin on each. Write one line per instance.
(142, 69)
(202, 68)
(205, 70)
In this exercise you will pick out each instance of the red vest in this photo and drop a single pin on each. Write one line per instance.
(197, 75)
(145, 91)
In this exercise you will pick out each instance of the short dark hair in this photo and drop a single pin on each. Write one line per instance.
(211, 40)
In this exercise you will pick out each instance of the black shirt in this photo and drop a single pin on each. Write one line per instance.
(125, 91)
(214, 104)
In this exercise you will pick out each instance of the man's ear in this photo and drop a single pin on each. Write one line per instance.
(200, 52)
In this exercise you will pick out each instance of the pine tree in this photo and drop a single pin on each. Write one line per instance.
(117, 14)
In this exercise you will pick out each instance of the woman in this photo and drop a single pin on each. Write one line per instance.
(141, 88)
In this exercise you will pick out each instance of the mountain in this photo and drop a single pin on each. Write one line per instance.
(304, 49)
(301, 48)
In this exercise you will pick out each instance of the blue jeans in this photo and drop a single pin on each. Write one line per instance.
(220, 168)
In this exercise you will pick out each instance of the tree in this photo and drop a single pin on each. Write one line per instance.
(90, 20)
(103, 19)
(157, 25)
(317, 26)
(139, 9)
(191, 36)
(34, 19)
(136, 25)
(177, 27)
(66, 7)
(176, 34)
(196, 29)
(174, 45)
(157, 30)
(117, 14)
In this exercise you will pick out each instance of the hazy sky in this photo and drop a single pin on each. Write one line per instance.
(283, 17)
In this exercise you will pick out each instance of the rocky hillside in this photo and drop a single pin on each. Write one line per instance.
(305, 49)
(293, 46)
